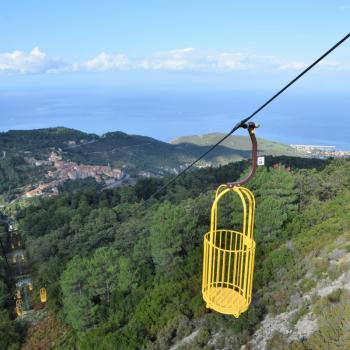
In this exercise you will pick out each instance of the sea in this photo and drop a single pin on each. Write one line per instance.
(293, 118)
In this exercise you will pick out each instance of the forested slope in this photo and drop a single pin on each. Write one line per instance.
(120, 273)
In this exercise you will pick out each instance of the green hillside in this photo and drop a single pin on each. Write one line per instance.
(133, 153)
(39, 140)
(239, 143)
(140, 153)
(120, 273)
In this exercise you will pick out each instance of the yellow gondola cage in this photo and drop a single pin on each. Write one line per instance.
(228, 259)
(19, 309)
(43, 296)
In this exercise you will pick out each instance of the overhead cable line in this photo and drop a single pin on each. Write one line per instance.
(245, 120)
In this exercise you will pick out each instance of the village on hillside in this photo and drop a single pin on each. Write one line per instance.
(67, 170)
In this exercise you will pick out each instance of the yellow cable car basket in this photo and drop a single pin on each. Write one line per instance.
(228, 257)
(43, 296)
(19, 309)
(228, 261)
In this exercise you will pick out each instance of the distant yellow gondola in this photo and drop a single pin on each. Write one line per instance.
(18, 294)
(43, 296)
(19, 309)
(30, 287)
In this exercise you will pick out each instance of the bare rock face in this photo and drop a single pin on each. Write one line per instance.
(305, 327)
(295, 300)
(269, 326)
(337, 254)
(281, 323)
(185, 340)
(307, 324)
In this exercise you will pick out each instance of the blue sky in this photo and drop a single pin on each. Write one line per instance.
(78, 30)
(253, 47)
(75, 38)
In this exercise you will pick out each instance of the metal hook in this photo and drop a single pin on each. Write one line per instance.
(251, 127)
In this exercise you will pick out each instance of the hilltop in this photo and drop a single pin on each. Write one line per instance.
(239, 143)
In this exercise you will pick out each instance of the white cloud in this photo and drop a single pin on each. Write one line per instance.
(294, 65)
(227, 61)
(179, 59)
(192, 59)
(187, 59)
(105, 62)
(334, 66)
(35, 61)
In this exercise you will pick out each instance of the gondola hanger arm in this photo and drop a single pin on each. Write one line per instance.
(251, 126)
